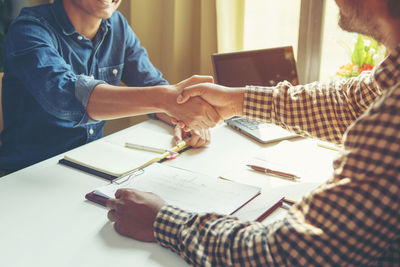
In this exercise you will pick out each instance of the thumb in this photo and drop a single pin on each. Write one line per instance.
(188, 92)
(177, 134)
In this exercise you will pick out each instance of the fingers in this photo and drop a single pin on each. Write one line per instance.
(213, 116)
(177, 134)
(190, 91)
(182, 124)
(199, 138)
(112, 203)
(134, 212)
(123, 192)
(112, 215)
(196, 79)
(209, 116)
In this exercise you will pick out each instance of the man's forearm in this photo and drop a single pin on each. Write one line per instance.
(112, 102)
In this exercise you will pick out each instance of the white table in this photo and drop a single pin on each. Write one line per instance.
(46, 221)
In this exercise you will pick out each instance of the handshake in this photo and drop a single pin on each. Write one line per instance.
(201, 104)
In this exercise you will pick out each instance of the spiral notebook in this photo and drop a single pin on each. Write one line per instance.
(109, 158)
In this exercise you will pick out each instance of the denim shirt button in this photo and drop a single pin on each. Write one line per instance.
(80, 37)
(91, 131)
(115, 72)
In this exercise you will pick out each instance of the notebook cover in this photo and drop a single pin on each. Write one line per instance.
(106, 176)
(87, 170)
(96, 199)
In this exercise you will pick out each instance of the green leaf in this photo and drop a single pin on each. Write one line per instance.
(357, 56)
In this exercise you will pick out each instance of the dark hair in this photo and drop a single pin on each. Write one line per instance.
(394, 7)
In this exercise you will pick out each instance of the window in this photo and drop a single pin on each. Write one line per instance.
(322, 47)
(271, 24)
(336, 43)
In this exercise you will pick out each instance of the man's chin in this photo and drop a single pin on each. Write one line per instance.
(105, 15)
(345, 24)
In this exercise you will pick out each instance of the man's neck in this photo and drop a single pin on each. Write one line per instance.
(84, 23)
(391, 38)
(387, 27)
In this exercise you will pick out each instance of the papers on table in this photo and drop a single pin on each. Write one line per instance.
(304, 158)
(187, 190)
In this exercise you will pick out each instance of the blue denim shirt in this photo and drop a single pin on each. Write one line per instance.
(50, 71)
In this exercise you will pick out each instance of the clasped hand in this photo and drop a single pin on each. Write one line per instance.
(228, 102)
(196, 113)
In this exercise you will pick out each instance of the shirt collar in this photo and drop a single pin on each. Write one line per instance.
(64, 22)
(62, 18)
(387, 74)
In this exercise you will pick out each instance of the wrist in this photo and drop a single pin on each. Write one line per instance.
(237, 101)
(164, 98)
(167, 226)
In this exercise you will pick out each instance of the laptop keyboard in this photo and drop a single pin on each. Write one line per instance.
(251, 124)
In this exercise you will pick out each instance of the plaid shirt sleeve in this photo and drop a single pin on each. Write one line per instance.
(352, 220)
(323, 110)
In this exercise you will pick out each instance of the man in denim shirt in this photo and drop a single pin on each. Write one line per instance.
(63, 64)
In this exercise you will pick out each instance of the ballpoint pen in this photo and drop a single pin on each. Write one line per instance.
(279, 174)
(179, 146)
(173, 150)
(146, 148)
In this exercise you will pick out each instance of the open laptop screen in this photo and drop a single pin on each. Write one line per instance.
(264, 67)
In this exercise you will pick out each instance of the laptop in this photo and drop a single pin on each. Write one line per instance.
(265, 67)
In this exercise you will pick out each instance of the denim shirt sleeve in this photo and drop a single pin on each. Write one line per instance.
(84, 86)
(32, 52)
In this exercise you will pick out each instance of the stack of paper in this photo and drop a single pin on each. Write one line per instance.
(187, 190)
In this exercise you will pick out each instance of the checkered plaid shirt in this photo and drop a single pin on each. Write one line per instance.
(352, 220)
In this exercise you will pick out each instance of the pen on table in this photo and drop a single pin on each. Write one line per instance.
(146, 148)
(179, 146)
(287, 204)
(175, 149)
(166, 154)
(288, 201)
(174, 152)
(279, 174)
(329, 146)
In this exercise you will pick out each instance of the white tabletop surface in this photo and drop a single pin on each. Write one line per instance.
(46, 221)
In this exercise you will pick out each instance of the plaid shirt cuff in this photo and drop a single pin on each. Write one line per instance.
(167, 226)
(258, 102)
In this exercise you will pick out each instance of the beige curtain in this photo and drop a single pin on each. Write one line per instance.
(39, 2)
(181, 35)
(230, 18)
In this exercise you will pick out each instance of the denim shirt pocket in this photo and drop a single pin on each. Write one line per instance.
(112, 74)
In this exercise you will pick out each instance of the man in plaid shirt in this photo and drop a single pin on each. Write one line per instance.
(353, 219)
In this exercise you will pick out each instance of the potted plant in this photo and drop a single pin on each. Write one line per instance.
(365, 54)
(5, 19)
